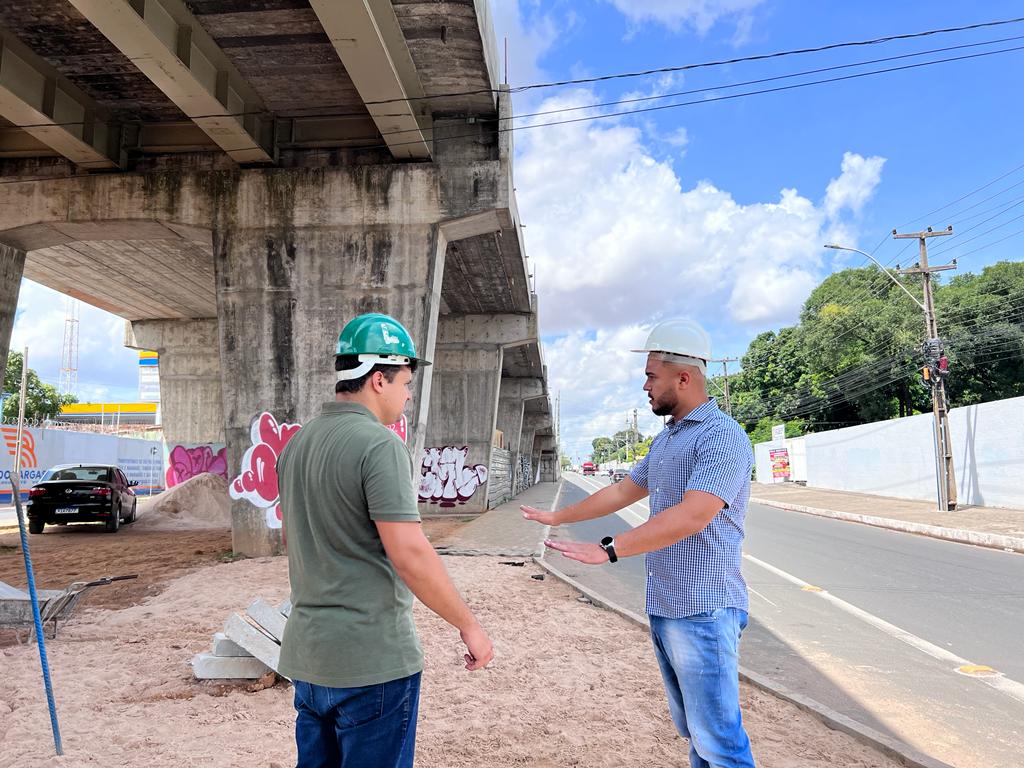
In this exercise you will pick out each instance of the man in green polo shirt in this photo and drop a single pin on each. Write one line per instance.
(356, 557)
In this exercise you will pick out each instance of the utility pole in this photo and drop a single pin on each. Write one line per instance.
(725, 373)
(635, 435)
(935, 369)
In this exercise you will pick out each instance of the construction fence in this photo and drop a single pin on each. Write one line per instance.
(897, 457)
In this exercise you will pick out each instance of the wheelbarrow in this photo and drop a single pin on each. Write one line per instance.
(55, 605)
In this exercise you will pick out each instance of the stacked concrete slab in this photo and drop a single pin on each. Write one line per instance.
(248, 648)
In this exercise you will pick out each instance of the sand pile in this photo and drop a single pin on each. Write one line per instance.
(199, 502)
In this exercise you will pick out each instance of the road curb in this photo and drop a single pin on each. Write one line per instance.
(897, 750)
(959, 535)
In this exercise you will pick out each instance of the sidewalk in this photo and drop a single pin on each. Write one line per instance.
(993, 527)
(502, 531)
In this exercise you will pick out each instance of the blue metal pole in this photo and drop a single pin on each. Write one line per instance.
(40, 637)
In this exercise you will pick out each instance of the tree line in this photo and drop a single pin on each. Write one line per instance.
(856, 354)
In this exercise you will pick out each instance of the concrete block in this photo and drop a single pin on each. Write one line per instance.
(256, 642)
(224, 647)
(268, 617)
(206, 666)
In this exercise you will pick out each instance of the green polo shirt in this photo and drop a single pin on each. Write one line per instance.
(351, 622)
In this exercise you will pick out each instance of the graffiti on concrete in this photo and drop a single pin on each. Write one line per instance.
(257, 482)
(400, 428)
(187, 461)
(445, 477)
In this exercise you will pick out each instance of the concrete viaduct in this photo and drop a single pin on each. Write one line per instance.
(236, 178)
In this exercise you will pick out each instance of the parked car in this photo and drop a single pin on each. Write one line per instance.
(82, 493)
(619, 474)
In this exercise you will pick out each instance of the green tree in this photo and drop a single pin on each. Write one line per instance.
(856, 354)
(42, 401)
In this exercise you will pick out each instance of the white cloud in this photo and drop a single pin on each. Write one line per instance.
(699, 15)
(599, 381)
(855, 185)
(616, 239)
(530, 32)
(106, 369)
(618, 242)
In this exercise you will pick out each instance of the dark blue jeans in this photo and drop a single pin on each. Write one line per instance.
(369, 727)
(699, 660)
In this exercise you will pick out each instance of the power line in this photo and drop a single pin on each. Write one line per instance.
(708, 64)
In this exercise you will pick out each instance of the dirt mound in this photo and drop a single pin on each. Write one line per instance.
(199, 502)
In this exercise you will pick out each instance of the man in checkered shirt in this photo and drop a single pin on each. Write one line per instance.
(697, 475)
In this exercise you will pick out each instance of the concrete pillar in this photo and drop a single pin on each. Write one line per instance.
(514, 393)
(191, 408)
(548, 458)
(456, 461)
(298, 253)
(12, 265)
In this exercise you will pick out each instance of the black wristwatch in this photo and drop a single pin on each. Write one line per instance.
(608, 545)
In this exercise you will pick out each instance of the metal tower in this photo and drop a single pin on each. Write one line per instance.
(69, 350)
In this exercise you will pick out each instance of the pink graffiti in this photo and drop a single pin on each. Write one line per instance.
(400, 428)
(445, 477)
(257, 482)
(184, 462)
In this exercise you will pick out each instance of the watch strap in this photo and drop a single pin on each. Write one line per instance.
(608, 545)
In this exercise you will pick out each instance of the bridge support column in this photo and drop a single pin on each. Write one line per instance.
(190, 377)
(512, 399)
(547, 458)
(12, 265)
(456, 462)
(298, 253)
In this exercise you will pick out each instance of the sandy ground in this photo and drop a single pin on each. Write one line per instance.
(571, 685)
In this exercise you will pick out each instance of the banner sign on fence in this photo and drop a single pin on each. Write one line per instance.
(780, 463)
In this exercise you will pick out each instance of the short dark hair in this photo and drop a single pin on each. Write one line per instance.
(351, 386)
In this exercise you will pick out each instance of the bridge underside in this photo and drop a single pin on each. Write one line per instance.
(237, 179)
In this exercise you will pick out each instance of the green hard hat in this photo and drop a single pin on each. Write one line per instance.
(375, 339)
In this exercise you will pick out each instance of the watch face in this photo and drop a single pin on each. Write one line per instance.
(606, 541)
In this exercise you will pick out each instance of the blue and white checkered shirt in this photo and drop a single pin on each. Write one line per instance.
(704, 451)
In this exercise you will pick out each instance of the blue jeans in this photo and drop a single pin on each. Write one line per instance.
(699, 660)
(369, 727)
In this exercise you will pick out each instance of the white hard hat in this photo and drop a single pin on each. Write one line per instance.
(679, 341)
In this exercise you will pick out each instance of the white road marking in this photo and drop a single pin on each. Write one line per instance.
(762, 596)
(632, 516)
(1001, 683)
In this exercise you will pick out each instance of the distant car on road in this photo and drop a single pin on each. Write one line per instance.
(82, 493)
(589, 468)
(619, 474)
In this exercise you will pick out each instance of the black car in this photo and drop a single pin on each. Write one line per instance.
(82, 493)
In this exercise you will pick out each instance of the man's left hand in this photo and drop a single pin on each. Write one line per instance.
(591, 554)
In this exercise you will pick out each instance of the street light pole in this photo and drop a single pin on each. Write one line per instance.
(945, 477)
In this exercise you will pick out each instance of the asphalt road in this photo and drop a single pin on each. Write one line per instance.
(875, 624)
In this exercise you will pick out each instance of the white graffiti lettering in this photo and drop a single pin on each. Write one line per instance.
(446, 479)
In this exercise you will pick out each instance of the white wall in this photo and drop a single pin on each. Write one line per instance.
(141, 460)
(897, 457)
(797, 448)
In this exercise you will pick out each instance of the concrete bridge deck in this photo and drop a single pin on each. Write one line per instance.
(236, 179)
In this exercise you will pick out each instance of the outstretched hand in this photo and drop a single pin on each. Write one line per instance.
(591, 554)
(538, 515)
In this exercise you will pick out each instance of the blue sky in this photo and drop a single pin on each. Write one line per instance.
(718, 210)
(738, 196)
